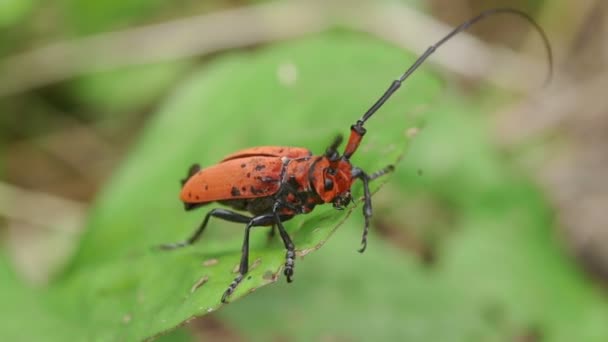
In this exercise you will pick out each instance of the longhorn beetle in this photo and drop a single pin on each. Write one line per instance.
(275, 183)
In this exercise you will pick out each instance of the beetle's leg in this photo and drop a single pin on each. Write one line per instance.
(262, 220)
(191, 171)
(219, 213)
(290, 256)
(379, 173)
(367, 197)
(272, 232)
(367, 204)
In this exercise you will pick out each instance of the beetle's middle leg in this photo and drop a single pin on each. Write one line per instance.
(272, 232)
(262, 220)
(291, 248)
(223, 214)
(291, 252)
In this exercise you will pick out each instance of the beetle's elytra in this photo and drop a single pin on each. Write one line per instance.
(275, 183)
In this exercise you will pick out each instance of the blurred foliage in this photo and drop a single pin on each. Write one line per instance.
(126, 89)
(26, 316)
(12, 11)
(94, 16)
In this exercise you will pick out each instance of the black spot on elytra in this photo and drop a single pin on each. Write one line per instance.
(189, 194)
(268, 179)
(235, 191)
(197, 197)
(260, 167)
(243, 189)
(206, 187)
(281, 150)
(248, 174)
(243, 165)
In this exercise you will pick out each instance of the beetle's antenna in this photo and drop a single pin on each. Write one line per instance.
(397, 83)
(358, 130)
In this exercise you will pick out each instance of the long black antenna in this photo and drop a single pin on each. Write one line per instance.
(397, 83)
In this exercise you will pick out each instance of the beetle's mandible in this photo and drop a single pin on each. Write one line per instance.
(275, 183)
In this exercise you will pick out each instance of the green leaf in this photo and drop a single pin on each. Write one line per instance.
(12, 11)
(499, 273)
(25, 315)
(127, 291)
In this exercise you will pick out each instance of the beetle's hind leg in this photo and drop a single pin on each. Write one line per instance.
(262, 220)
(223, 214)
(191, 172)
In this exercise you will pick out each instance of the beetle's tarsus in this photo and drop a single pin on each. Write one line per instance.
(379, 173)
(290, 256)
(170, 246)
(289, 264)
(364, 237)
(363, 247)
(231, 288)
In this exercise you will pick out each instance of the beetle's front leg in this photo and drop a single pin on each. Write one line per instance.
(367, 198)
(382, 172)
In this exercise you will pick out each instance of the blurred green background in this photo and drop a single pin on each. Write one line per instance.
(492, 228)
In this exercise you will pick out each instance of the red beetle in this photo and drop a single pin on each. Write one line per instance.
(275, 183)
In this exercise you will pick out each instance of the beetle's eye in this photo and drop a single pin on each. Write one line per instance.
(331, 171)
(329, 184)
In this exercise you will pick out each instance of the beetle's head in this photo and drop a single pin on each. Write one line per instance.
(331, 177)
(332, 181)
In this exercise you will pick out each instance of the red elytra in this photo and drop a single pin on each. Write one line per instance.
(275, 183)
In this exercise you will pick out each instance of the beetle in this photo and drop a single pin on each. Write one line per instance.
(276, 183)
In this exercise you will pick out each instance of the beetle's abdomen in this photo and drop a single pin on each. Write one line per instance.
(241, 178)
(256, 206)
